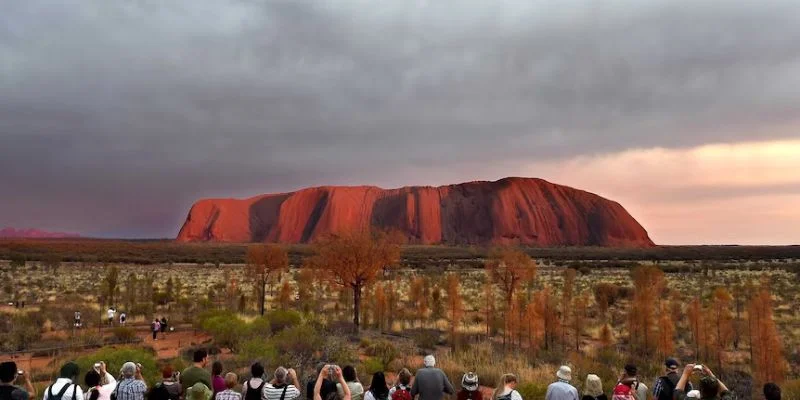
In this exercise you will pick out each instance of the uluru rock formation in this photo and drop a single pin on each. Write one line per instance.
(525, 211)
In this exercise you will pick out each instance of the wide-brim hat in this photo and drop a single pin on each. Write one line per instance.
(564, 373)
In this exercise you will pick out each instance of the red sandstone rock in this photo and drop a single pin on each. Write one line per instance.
(509, 211)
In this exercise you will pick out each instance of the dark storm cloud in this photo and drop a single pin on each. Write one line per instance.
(116, 115)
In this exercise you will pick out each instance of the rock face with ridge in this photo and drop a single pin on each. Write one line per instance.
(525, 211)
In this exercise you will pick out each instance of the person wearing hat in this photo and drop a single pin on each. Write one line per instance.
(561, 389)
(431, 383)
(664, 387)
(469, 388)
(199, 391)
(710, 388)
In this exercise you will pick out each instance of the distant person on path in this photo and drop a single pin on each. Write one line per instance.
(337, 376)
(253, 388)
(155, 327)
(402, 389)
(710, 388)
(123, 318)
(507, 388)
(9, 374)
(64, 387)
(111, 312)
(351, 380)
(431, 383)
(469, 388)
(197, 372)
(217, 381)
(284, 385)
(561, 389)
(229, 394)
(163, 326)
(593, 390)
(132, 386)
(328, 386)
(78, 323)
(378, 390)
(664, 387)
(772, 392)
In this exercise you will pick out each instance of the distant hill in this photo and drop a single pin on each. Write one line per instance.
(34, 234)
(525, 211)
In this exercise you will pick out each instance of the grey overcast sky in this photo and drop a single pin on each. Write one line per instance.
(116, 115)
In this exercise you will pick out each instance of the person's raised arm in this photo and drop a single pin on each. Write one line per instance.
(722, 387)
(318, 386)
(687, 371)
(345, 387)
(26, 381)
(293, 376)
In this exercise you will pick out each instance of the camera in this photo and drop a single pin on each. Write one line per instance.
(97, 366)
(698, 368)
(332, 371)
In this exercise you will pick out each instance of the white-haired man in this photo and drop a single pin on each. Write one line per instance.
(431, 383)
(132, 386)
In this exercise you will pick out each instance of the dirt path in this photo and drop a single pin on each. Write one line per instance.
(167, 346)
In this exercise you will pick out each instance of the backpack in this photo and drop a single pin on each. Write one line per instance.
(623, 392)
(51, 396)
(158, 392)
(667, 389)
(254, 393)
(401, 393)
(506, 396)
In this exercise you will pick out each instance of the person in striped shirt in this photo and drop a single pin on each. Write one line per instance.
(229, 394)
(284, 386)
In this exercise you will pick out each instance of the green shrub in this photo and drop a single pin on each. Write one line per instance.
(257, 349)
(532, 390)
(383, 351)
(297, 345)
(372, 365)
(114, 357)
(261, 327)
(226, 329)
(283, 319)
(123, 334)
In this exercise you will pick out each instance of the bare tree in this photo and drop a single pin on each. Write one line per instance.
(263, 262)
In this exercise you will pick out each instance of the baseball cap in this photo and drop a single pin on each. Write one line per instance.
(671, 363)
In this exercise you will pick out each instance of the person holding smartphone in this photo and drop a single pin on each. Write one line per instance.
(9, 374)
(711, 388)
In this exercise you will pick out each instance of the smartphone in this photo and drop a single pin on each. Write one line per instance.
(20, 372)
(332, 371)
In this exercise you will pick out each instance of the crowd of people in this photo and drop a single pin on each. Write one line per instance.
(330, 382)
